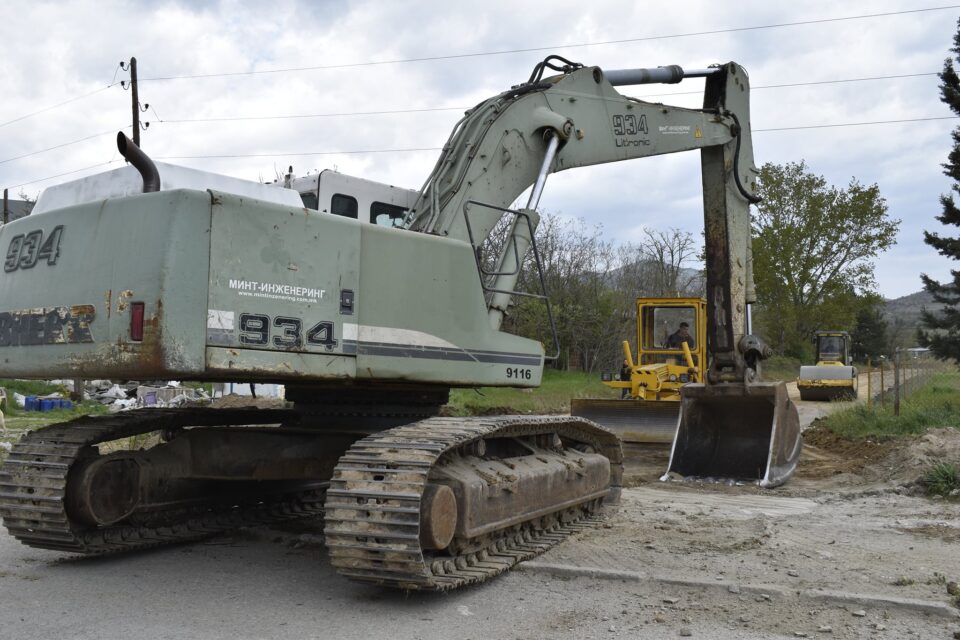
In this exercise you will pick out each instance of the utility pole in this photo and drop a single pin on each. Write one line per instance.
(6, 208)
(135, 99)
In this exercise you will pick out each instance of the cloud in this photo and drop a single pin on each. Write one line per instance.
(55, 51)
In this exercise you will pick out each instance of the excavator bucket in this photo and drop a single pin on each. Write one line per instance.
(737, 431)
(643, 421)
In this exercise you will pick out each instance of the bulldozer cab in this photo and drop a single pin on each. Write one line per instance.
(663, 324)
(833, 347)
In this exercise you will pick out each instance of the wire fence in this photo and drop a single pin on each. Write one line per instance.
(891, 381)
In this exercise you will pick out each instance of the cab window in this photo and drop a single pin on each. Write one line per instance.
(662, 327)
(346, 206)
(663, 330)
(387, 215)
(309, 200)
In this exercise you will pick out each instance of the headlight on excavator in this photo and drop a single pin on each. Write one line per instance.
(673, 377)
(684, 378)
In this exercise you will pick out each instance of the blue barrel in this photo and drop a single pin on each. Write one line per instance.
(48, 404)
(66, 404)
(31, 404)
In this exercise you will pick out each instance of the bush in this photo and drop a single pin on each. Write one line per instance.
(942, 479)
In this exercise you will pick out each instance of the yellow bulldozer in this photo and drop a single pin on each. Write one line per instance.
(671, 352)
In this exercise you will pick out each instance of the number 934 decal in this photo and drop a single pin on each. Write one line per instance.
(26, 250)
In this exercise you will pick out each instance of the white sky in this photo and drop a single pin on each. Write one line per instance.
(56, 51)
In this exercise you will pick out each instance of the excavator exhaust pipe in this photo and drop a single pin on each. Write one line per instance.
(141, 161)
(747, 432)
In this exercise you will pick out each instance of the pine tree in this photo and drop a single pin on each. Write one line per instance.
(870, 335)
(942, 332)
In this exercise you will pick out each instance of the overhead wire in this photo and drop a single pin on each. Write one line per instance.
(425, 110)
(463, 108)
(488, 53)
(65, 144)
(59, 104)
(348, 65)
(421, 149)
(65, 173)
(414, 149)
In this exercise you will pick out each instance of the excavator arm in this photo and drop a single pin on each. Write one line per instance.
(731, 425)
(578, 118)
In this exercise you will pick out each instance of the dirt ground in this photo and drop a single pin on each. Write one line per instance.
(849, 548)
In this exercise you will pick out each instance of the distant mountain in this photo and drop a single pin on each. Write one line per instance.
(905, 311)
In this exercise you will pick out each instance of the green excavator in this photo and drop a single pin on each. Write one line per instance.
(369, 303)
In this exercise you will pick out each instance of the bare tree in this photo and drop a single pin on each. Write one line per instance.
(668, 252)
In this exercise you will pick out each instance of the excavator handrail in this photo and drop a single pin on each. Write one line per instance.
(536, 257)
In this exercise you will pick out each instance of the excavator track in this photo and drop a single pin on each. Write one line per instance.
(34, 478)
(373, 510)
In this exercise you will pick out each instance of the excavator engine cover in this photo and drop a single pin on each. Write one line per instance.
(742, 431)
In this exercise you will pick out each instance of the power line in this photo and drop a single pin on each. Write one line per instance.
(65, 173)
(301, 153)
(547, 48)
(435, 109)
(427, 110)
(490, 53)
(361, 151)
(59, 104)
(856, 124)
(415, 149)
(803, 84)
(65, 144)
(312, 115)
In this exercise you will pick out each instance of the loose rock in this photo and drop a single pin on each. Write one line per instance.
(859, 613)
(733, 588)
(685, 632)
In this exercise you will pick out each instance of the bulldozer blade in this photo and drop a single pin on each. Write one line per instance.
(737, 431)
(641, 421)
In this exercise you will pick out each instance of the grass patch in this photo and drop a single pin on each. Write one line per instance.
(937, 404)
(903, 581)
(553, 395)
(942, 479)
(780, 368)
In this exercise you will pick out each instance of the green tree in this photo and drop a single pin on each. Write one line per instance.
(870, 336)
(813, 245)
(942, 329)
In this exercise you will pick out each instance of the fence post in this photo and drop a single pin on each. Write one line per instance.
(869, 382)
(896, 382)
(882, 385)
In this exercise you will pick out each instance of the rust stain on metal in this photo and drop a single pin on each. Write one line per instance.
(107, 301)
(123, 300)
